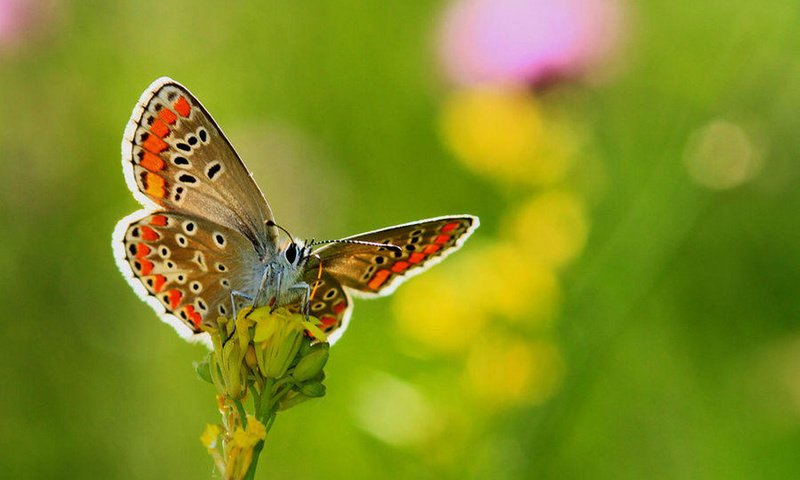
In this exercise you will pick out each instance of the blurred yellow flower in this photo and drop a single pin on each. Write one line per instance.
(438, 311)
(502, 372)
(395, 412)
(506, 280)
(446, 309)
(240, 448)
(551, 227)
(210, 436)
(502, 133)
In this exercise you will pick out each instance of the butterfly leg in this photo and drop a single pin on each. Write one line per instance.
(306, 297)
(236, 294)
(262, 286)
(276, 303)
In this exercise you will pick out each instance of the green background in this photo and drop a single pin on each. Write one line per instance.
(679, 324)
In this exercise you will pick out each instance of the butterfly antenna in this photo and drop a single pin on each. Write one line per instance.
(357, 242)
(271, 223)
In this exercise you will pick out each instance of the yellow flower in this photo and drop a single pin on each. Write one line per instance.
(510, 282)
(551, 227)
(269, 357)
(210, 436)
(504, 372)
(241, 445)
(277, 339)
(438, 311)
(503, 133)
(248, 437)
(447, 308)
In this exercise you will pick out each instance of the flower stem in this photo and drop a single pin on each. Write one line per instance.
(251, 472)
(242, 413)
(265, 413)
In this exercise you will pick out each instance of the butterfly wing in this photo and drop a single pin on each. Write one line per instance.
(375, 272)
(184, 266)
(175, 156)
(329, 302)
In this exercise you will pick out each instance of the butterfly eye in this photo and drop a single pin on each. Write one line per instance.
(291, 253)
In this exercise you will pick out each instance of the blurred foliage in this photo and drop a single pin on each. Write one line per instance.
(669, 346)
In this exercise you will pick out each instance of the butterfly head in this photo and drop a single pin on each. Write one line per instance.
(296, 253)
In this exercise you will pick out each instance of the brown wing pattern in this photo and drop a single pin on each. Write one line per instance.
(183, 266)
(175, 155)
(329, 302)
(370, 271)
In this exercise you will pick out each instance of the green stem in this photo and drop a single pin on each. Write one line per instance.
(251, 472)
(265, 401)
(265, 413)
(278, 396)
(242, 413)
(271, 420)
(283, 381)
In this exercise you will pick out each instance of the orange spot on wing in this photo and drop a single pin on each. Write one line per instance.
(379, 279)
(154, 144)
(416, 257)
(158, 282)
(159, 220)
(154, 185)
(431, 249)
(152, 162)
(182, 106)
(400, 267)
(158, 127)
(442, 239)
(174, 298)
(142, 250)
(146, 267)
(450, 227)
(167, 116)
(339, 307)
(148, 234)
(328, 321)
(194, 316)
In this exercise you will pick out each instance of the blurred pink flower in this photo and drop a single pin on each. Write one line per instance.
(526, 41)
(23, 20)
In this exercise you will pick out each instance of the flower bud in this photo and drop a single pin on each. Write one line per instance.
(234, 375)
(312, 363)
(250, 357)
(313, 390)
(203, 370)
(305, 347)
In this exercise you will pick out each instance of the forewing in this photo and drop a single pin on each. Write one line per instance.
(183, 266)
(378, 271)
(175, 155)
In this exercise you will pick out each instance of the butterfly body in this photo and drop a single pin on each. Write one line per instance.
(205, 243)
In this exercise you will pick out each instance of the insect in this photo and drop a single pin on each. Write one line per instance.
(206, 244)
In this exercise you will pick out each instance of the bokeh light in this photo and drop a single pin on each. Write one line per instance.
(723, 155)
(395, 411)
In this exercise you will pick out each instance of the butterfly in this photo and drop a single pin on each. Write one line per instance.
(205, 242)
